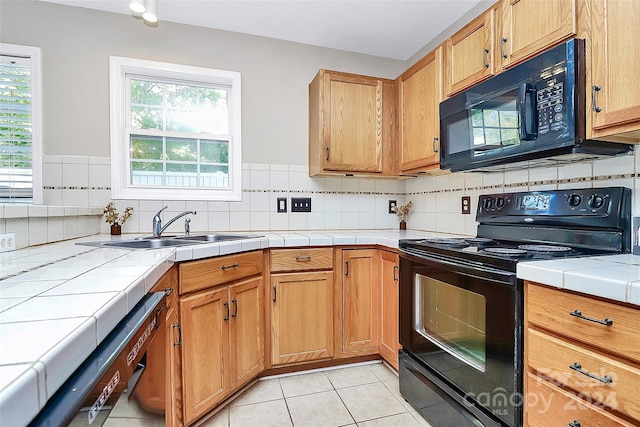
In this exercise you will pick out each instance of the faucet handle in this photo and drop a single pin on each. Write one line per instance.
(160, 211)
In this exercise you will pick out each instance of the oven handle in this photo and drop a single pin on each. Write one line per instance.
(461, 267)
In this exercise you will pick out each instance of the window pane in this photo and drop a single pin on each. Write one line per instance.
(146, 117)
(146, 92)
(214, 151)
(182, 149)
(214, 168)
(182, 167)
(146, 166)
(16, 180)
(146, 147)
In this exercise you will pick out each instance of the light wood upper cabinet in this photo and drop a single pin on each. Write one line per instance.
(351, 124)
(389, 333)
(527, 27)
(360, 320)
(420, 93)
(469, 54)
(615, 100)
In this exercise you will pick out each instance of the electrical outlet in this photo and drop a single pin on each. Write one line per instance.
(392, 205)
(466, 205)
(7, 242)
(301, 204)
(282, 204)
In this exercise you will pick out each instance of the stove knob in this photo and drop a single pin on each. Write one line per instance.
(500, 202)
(574, 199)
(595, 201)
(487, 203)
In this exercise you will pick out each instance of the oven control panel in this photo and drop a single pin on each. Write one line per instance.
(534, 206)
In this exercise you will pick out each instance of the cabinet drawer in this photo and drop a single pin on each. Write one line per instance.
(550, 308)
(301, 259)
(210, 272)
(554, 357)
(547, 405)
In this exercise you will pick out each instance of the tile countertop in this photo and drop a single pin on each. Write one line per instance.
(59, 301)
(616, 277)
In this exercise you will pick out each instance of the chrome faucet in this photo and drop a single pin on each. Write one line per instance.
(158, 228)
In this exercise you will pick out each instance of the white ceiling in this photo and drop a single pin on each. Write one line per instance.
(394, 29)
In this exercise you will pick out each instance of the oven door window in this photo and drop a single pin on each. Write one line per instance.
(452, 318)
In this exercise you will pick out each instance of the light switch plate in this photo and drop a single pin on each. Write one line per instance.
(282, 204)
(301, 204)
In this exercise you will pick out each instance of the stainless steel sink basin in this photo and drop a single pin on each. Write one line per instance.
(168, 241)
(214, 237)
(144, 244)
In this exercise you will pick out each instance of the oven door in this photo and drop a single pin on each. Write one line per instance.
(463, 322)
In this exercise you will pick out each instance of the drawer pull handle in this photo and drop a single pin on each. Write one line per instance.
(234, 265)
(395, 273)
(575, 423)
(303, 258)
(275, 294)
(484, 58)
(578, 314)
(594, 98)
(578, 368)
(168, 291)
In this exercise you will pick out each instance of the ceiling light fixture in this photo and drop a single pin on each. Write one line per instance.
(137, 6)
(151, 12)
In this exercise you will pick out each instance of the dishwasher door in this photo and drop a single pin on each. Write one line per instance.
(87, 397)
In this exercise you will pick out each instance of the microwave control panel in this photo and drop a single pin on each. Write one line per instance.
(550, 106)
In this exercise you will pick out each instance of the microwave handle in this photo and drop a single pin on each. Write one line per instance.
(527, 112)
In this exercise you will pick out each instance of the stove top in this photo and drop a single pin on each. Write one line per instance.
(538, 225)
(490, 252)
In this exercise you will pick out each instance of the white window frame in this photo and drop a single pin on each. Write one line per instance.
(121, 188)
(35, 57)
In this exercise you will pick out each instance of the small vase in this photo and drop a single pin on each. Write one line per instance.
(403, 225)
(116, 229)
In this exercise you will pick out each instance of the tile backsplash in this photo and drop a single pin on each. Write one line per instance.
(83, 183)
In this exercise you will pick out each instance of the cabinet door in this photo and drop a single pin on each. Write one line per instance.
(173, 387)
(389, 340)
(205, 348)
(302, 317)
(420, 95)
(246, 348)
(615, 62)
(351, 122)
(360, 301)
(468, 55)
(531, 26)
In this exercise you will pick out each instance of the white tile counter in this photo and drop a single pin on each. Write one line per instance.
(616, 277)
(59, 301)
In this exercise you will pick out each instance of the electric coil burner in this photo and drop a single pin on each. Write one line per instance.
(461, 304)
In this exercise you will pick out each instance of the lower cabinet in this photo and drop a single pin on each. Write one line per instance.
(389, 333)
(359, 299)
(221, 343)
(301, 317)
(583, 359)
(301, 308)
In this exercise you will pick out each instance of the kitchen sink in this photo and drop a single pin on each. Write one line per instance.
(214, 237)
(168, 241)
(144, 244)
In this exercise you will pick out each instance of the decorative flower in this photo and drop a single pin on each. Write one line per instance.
(113, 217)
(403, 211)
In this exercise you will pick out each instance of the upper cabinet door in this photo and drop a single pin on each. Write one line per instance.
(469, 54)
(347, 122)
(615, 92)
(531, 26)
(420, 91)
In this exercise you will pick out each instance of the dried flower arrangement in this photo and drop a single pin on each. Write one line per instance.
(113, 217)
(403, 211)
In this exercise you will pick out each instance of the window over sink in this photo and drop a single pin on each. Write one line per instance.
(175, 131)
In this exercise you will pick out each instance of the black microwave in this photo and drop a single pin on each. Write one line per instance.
(530, 115)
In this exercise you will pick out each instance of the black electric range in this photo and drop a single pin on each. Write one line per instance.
(538, 225)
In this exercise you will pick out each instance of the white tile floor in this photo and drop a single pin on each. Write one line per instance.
(357, 395)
